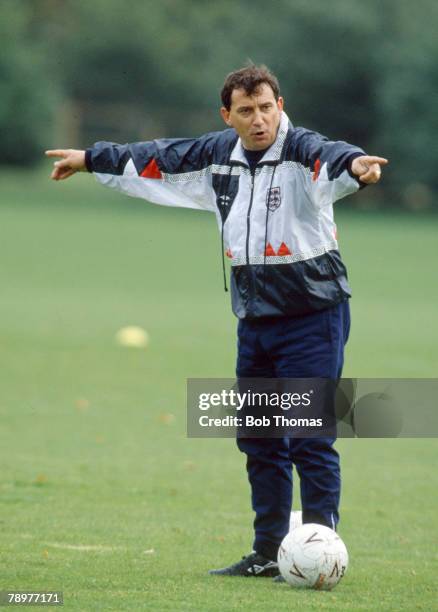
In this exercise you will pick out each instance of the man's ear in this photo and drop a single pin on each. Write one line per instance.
(280, 103)
(225, 114)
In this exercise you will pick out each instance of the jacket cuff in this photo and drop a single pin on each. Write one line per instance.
(88, 162)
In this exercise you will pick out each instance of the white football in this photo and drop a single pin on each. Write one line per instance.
(313, 556)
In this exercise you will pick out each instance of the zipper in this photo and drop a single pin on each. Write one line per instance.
(248, 227)
(248, 217)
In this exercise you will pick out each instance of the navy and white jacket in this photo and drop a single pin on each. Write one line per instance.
(276, 223)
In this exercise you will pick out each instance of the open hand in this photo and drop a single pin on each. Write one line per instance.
(72, 161)
(368, 168)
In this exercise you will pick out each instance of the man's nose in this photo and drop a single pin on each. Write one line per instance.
(258, 119)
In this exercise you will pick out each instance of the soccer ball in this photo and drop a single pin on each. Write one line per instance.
(312, 556)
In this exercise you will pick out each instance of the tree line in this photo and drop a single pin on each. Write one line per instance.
(82, 71)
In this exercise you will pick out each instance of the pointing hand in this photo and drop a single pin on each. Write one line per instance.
(368, 168)
(72, 161)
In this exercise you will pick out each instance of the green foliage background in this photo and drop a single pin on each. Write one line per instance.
(76, 71)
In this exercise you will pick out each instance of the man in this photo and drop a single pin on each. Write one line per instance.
(272, 187)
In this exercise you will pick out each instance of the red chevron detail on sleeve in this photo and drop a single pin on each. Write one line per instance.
(316, 169)
(151, 170)
(283, 250)
(269, 252)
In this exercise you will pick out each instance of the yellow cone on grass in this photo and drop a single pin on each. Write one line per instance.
(132, 336)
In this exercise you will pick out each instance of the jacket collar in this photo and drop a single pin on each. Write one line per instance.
(273, 154)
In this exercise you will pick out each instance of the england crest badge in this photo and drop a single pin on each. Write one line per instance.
(273, 198)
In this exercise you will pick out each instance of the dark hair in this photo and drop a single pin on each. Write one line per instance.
(248, 78)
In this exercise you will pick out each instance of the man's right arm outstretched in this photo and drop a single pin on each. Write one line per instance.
(170, 172)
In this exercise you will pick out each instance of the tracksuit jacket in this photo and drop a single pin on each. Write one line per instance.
(276, 223)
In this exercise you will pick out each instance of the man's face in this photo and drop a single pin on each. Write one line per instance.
(255, 118)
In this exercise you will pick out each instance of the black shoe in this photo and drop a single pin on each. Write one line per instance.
(252, 565)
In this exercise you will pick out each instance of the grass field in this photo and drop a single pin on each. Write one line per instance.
(102, 495)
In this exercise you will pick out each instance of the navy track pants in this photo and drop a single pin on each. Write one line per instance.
(292, 347)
